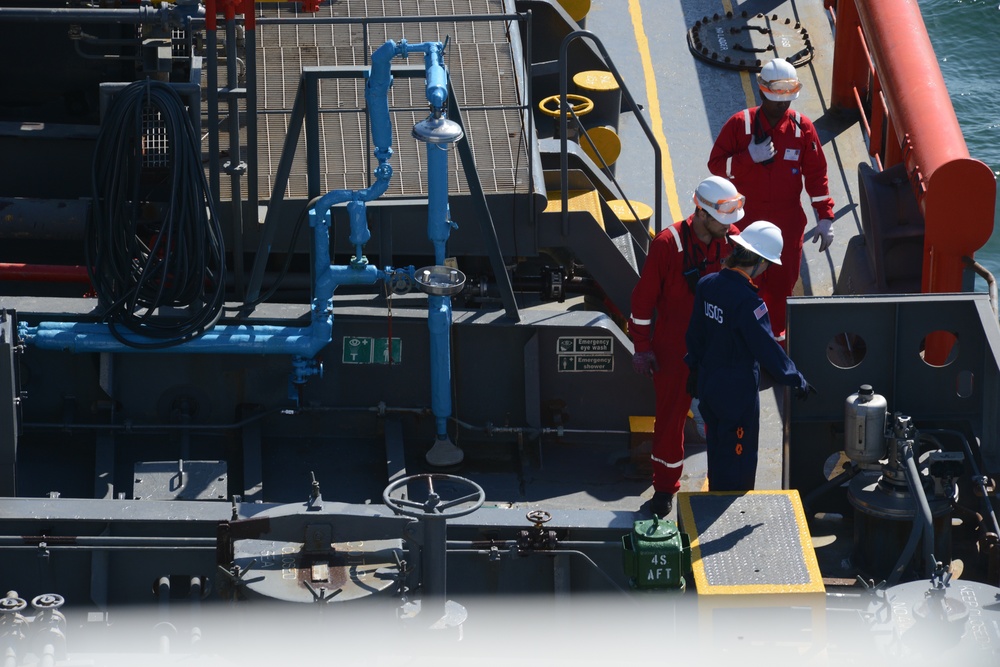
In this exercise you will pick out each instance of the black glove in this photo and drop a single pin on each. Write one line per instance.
(802, 393)
(691, 387)
(644, 363)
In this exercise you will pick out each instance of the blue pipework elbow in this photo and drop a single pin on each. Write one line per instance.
(436, 77)
(377, 86)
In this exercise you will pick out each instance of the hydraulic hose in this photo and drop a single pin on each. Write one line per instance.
(924, 514)
(978, 478)
(141, 267)
(848, 473)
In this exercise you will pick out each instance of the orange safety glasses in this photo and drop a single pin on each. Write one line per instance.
(780, 86)
(724, 206)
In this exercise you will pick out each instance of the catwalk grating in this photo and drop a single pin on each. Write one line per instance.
(480, 64)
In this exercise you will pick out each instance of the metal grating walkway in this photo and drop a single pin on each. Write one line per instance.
(749, 542)
(479, 59)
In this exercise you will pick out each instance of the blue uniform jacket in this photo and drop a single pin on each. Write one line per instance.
(729, 338)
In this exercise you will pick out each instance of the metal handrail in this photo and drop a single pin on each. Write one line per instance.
(306, 110)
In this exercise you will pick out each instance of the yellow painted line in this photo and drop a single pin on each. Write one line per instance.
(748, 87)
(635, 11)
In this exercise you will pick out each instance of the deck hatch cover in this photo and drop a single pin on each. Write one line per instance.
(745, 42)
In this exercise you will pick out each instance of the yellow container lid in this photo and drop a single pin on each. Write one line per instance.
(607, 142)
(577, 9)
(596, 79)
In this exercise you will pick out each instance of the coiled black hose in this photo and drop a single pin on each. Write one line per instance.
(161, 276)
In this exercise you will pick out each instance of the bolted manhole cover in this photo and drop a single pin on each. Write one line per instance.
(748, 42)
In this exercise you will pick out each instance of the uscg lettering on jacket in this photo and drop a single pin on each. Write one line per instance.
(713, 312)
(760, 311)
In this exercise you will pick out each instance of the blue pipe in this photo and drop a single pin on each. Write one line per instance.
(230, 339)
(439, 325)
(439, 226)
(439, 307)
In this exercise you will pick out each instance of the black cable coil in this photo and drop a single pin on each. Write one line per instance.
(160, 275)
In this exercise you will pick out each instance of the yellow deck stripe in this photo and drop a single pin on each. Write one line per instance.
(654, 113)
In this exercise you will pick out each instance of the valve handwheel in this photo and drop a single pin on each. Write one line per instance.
(581, 105)
(538, 517)
(434, 505)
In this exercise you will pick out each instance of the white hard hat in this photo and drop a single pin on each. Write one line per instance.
(761, 238)
(720, 198)
(778, 81)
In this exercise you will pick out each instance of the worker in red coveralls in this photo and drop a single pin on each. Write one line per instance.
(768, 152)
(678, 256)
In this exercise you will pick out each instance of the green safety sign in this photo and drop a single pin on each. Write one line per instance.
(383, 349)
(358, 350)
(367, 350)
(575, 354)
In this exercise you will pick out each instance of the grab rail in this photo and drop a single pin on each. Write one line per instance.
(908, 118)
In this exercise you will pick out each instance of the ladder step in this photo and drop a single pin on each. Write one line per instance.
(578, 200)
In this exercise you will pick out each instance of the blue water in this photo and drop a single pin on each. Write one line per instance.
(964, 34)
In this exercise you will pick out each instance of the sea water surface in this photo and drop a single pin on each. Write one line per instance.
(965, 35)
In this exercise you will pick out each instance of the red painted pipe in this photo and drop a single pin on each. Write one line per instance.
(956, 193)
(46, 273)
(959, 192)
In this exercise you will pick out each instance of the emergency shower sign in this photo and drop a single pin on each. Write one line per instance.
(367, 350)
(581, 354)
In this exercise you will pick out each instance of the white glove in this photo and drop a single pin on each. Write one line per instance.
(824, 234)
(762, 151)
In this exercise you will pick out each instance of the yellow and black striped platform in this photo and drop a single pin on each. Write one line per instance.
(749, 543)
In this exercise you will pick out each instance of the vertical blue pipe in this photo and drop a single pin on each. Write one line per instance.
(439, 324)
(438, 224)
(438, 230)
(439, 307)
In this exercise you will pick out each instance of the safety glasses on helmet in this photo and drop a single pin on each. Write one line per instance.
(724, 206)
(780, 86)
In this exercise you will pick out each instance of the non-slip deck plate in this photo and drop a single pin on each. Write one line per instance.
(749, 542)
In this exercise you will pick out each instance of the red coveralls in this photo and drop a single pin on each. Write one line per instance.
(662, 289)
(774, 191)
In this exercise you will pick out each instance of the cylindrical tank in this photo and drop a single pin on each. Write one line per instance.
(864, 425)
(601, 87)
(883, 520)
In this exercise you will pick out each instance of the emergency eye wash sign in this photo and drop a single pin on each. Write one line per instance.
(582, 354)
(367, 350)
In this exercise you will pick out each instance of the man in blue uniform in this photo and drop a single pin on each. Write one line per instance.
(728, 339)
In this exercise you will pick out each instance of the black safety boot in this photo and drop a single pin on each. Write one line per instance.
(662, 503)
